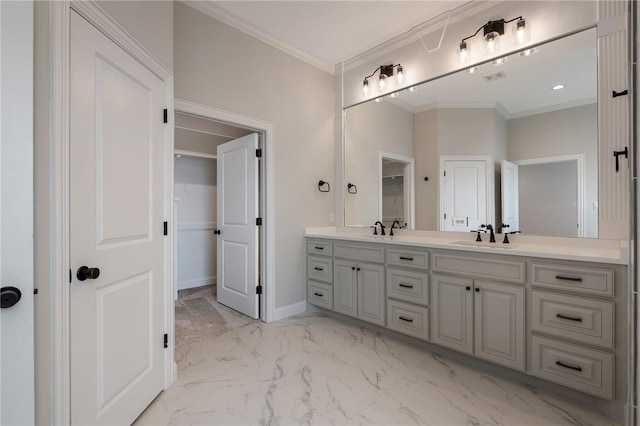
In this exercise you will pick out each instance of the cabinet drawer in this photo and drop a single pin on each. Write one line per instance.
(320, 268)
(576, 318)
(408, 286)
(479, 267)
(408, 319)
(400, 257)
(574, 278)
(359, 252)
(320, 294)
(320, 247)
(574, 366)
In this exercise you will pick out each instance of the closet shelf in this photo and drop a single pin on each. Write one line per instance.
(182, 152)
(392, 176)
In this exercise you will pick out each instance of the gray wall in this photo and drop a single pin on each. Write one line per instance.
(370, 128)
(563, 132)
(426, 156)
(224, 68)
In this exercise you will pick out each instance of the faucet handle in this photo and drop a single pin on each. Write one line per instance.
(375, 229)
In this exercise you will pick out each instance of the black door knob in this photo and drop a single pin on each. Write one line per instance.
(217, 232)
(9, 296)
(84, 272)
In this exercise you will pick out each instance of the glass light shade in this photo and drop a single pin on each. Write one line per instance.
(382, 82)
(520, 31)
(365, 87)
(400, 75)
(464, 52)
(492, 41)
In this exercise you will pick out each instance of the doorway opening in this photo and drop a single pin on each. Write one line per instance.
(397, 196)
(202, 185)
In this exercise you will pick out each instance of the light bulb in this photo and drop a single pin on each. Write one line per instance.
(383, 81)
(365, 87)
(394, 94)
(492, 41)
(464, 52)
(412, 89)
(499, 61)
(473, 70)
(400, 76)
(528, 52)
(378, 100)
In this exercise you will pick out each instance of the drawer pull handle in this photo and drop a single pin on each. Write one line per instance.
(405, 285)
(576, 319)
(319, 248)
(406, 319)
(562, 277)
(406, 258)
(318, 269)
(570, 367)
(318, 294)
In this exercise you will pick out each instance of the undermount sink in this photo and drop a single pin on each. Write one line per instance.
(485, 244)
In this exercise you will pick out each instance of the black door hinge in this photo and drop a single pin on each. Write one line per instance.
(258, 221)
(166, 340)
(35, 291)
(259, 153)
(165, 115)
(445, 173)
(166, 228)
(70, 276)
(259, 289)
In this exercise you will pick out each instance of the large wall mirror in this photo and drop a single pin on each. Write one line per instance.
(512, 141)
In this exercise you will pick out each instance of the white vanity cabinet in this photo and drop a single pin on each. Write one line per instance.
(320, 273)
(480, 318)
(358, 282)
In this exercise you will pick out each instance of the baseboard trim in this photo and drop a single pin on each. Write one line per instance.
(290, 310)
(183, 285)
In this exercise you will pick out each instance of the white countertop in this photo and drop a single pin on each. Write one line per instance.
(586, 250)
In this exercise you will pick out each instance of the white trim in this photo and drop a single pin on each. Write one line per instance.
(409, 189)
(183, 285)
(290, 310)
(268, 266)
(59, 178)
(579, 159)
(216, 12)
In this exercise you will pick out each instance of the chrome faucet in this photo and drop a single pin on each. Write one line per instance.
(492, 236)
(375, 229)
(393, 224)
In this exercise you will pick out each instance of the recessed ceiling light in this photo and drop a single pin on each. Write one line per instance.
(558, 87)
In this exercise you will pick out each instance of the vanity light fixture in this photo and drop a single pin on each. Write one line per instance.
(386, 72)
(491, 33)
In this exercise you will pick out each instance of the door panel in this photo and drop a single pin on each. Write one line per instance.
(464, 195)
(16, 212)
(452, 310)
(510, 194)
(371, 293)
(237, 274)
(345, 293)
(499, 324)
(116, 205)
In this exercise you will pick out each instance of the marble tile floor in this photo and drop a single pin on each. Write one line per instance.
(316, 370)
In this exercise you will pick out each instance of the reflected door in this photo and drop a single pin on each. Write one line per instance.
(509, 192)
(464, 195)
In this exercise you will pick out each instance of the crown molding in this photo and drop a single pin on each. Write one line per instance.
(557, 107)
(216, 12)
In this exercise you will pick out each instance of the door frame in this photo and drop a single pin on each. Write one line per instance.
(267, 198)
(409, 185)
(579, 159)
(56, 374)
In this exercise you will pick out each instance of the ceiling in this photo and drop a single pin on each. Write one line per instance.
(325, 33)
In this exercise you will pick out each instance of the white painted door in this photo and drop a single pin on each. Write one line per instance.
(464, 195)
(238, 208)
(499, 324)
(452, 313)
(16, 213)
(510, 195)
(116, 225)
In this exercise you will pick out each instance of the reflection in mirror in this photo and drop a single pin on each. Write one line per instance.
(508, 112)
(396, 184)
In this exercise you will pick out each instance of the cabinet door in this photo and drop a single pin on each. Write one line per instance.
(452, 313)
(499, 324)
(345, 292)
(371, 293)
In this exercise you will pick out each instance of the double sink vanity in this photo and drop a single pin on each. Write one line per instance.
(553, 311)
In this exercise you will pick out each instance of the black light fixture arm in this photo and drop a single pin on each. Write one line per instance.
(492, 25)
(384, 69)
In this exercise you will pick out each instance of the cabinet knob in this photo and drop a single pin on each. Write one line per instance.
(358, 269)
(353, 268)
(468, 288)
(477, 290)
